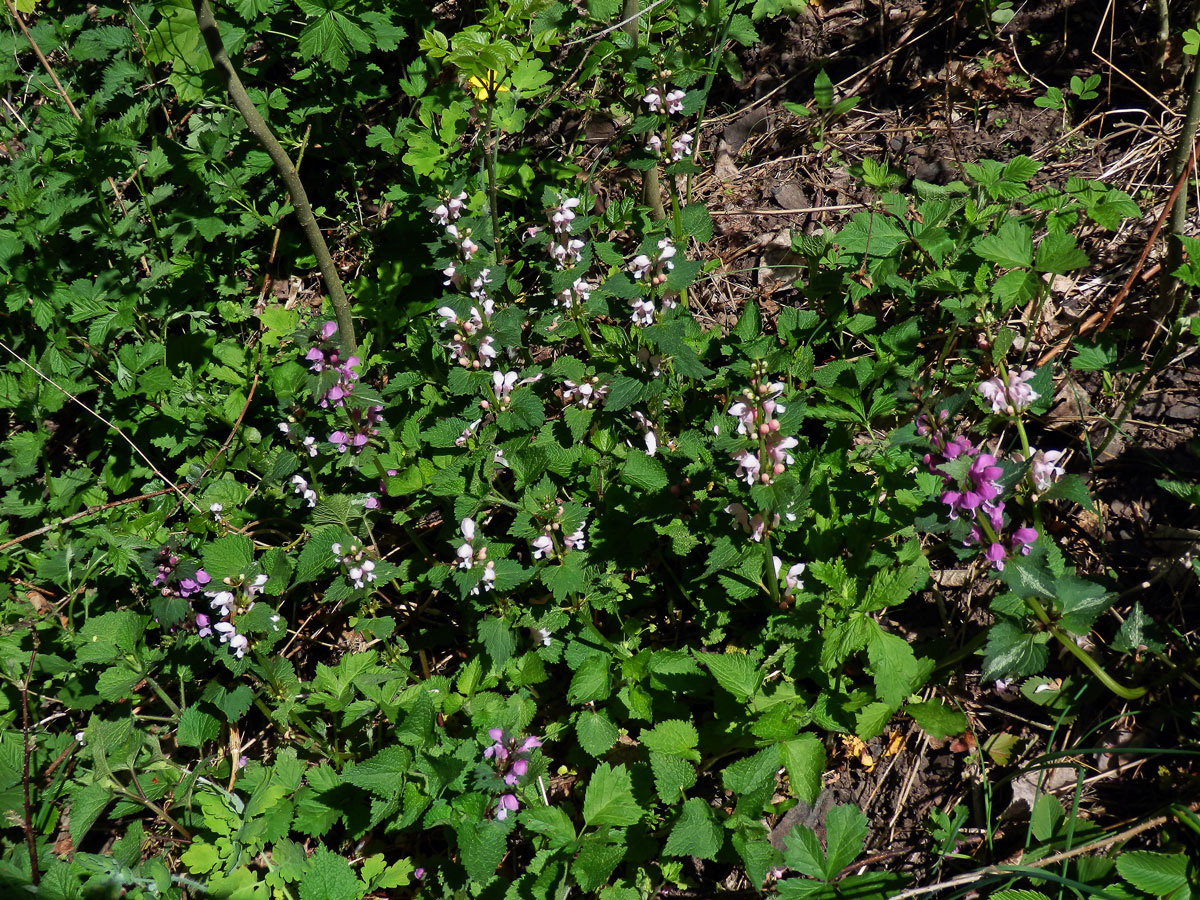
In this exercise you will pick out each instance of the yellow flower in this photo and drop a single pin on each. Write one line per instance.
(484, 90)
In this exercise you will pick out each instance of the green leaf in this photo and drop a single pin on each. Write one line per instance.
(845, 835)
(1094, 357)
(328, 876)
(1011, 246)
(332, 34)
(752, 773)
(596, 861)
(596, 732)
(482, 845)
(889, 587)
(1012, 653)
(735, 672)
(591, 680)
(644, 472)
(609, 798)
(1080, 601)
(498, 638)
(803, 853)
(823, 90)
(697, 222)
(674, 737)
(673, 775)
(804, 759)
(86, 805)
(936, 719)
(381, 774)
(893, 666)
(695, 833)
(230, 556)
(196, 727)
(1058, 253)
(551, 822)
(1160, 874)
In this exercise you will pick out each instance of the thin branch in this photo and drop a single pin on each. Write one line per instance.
(34, 873)
(993, 871)
(284, 165)
(612, 28)
(90, 511)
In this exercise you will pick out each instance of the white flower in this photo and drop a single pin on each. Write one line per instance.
(640, 265)
(654, 143)
(543, 545)
(791, 581)
(310, 444)
(440, 215)
(221, 601)
(576, 540)
(653, 99)
(283, 426)
(215, 509)
(675, 101)
(1045, 468)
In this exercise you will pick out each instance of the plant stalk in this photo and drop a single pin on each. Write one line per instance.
(286, 168)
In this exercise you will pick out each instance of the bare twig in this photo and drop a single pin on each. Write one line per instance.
(90, 511)
(34, 873)
(284, 165)
(993, 871)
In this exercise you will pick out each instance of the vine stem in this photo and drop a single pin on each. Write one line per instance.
(1082, 655)
(284, 165)
(1065, 639)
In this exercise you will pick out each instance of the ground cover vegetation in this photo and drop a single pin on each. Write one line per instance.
(406, 490)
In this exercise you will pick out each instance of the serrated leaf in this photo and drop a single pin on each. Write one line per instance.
(804, 760)
(596, 732)
(382, 774)
(674, 737)
(695, 833)
(753, 773)
(498, 638)
(643, 472)
(86, 805)
(591, 680)
(673, 775)
(196, 727)
(328, 876)
(1160, 874)
(893, 666)
(1011, 652)
(845, 836)
(228, 557)
(595, 862)
(1011, 246)
(551, 822)
(735, 672)
(483, 846)
(697, 223)
(609, 798)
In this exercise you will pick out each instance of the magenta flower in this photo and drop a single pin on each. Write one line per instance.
(506, 804)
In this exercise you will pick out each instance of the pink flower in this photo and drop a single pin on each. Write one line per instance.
(674, 101)
(654, 144)
(1045, 468)
(653, 99)
(747, 465)
(681, 147)
(506, 804)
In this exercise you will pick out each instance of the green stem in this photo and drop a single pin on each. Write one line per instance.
(489, 158)
(772, 578)
(583, 334)
(284, 165)
(1082, 655)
